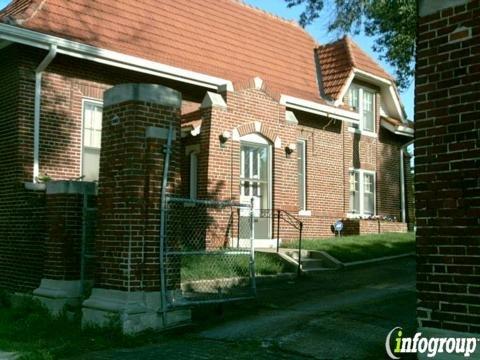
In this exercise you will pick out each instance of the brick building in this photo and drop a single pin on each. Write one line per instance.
(447, 153)
(265, 113)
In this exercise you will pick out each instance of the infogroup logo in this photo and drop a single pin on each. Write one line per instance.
(431, 346)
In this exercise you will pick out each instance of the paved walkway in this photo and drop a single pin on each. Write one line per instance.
(334, 315)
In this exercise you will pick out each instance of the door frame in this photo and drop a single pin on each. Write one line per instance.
(257, 139)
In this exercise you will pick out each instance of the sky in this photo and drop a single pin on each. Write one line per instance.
(319, 31)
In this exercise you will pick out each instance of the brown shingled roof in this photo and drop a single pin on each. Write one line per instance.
(19, 8)
(335, 67)
(338, 59)
(222, 38)
(362, 61)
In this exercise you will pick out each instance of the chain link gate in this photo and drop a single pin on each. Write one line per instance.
(204, 260)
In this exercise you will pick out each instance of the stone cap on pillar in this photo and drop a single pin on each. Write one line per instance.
(150, 93)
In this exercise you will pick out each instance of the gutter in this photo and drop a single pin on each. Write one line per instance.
(320, 109)
(37, 105)
(398, 129)
(78, 50)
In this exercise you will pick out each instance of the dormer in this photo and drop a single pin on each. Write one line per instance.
(351, 79)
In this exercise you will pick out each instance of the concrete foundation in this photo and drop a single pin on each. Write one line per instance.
(56, 295)
(132, 311)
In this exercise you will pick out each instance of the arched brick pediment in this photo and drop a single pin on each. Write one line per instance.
(256, 127)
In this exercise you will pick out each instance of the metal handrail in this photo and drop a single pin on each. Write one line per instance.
(297, 224)
(278, 215)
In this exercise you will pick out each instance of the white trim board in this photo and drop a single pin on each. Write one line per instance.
(320, 109)
(397, 130)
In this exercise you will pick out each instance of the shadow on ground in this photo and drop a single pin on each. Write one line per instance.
(333, 315)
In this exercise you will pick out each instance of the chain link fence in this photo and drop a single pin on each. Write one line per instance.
(208, 251)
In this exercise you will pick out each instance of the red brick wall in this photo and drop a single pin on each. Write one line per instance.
(22, 215)
(64, 236)
(67, 81)
(331, 152)
(131, 170)
(22, 239)
(447, 169)
(245, 107)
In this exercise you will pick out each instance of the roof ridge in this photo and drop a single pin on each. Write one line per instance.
(348, 45)
(290, 22)
(21, 11)
(265, 12)
(371, 58)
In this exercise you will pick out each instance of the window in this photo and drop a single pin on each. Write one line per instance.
(353, 97)
(368, 194)
(92, 138)
(362, 192)
(254, 171)
(301, 156)
(362, 100)
(354, 192)
(368, 118)
(193, 175)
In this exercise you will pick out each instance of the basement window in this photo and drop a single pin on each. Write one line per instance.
(91, 139)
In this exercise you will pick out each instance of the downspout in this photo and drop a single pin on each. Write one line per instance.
(38, 98)
(402, 181)
(402, 185)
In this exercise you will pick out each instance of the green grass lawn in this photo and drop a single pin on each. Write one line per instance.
(224, 266)
(28, 328)
(31, 331)
(361, 247)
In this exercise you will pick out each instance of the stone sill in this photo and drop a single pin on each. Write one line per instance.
(35, 186)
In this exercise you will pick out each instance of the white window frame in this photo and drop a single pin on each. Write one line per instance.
(361, 130)
(303, 207)
(84, 101)
(361, 192)
(193, 185)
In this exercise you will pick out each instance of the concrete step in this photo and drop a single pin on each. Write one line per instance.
(317, 269)
(309, 263)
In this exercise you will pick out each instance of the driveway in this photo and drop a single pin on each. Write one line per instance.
(332, 315)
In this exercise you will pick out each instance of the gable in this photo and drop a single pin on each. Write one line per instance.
(338, 61)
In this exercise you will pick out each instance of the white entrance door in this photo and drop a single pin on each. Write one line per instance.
(255, 183)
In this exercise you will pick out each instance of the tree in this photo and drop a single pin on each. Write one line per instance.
(391, 22)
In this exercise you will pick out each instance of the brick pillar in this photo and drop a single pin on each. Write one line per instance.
(61, 285)
(447, 151)
(136, 119)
